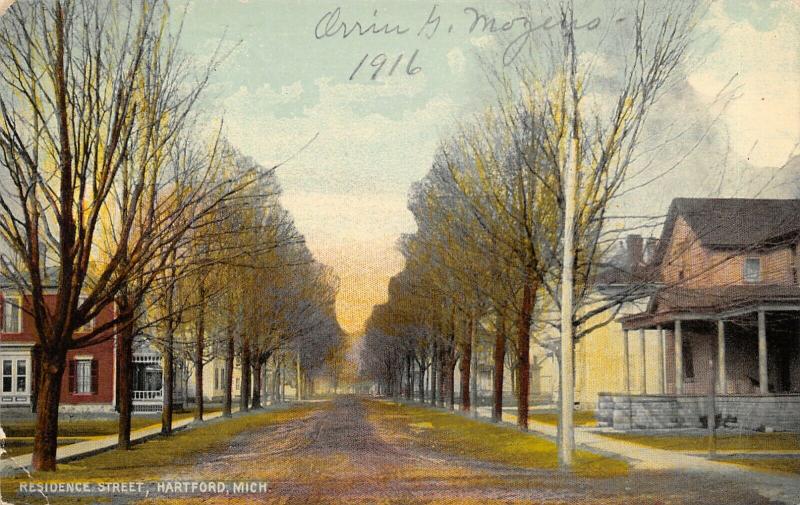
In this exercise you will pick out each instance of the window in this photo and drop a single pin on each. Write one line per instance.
(8, 375)
(216, 378)
(83, 376)
(15, 376)
(22, 375)
(688, 361)
(12, 315)
(752, 269)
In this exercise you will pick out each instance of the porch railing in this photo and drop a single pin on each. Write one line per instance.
(147, 395)
(156, 395)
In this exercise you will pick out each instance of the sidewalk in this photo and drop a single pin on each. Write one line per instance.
(97, 444)
(772, 485)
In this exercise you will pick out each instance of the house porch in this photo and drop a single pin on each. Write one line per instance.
(747, 359)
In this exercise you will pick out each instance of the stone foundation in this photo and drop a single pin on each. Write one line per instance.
(780, 412)
(87, 408)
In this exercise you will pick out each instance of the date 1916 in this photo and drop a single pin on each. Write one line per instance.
(379, 63)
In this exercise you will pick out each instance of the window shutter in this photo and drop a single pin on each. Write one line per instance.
(72, 365)
(94, 377)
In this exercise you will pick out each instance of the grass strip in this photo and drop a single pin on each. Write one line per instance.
(462, 436)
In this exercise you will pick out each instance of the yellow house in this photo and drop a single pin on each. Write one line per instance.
(600, 366)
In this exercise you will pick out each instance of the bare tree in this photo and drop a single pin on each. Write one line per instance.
(92, 100)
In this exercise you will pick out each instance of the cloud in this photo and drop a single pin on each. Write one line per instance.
(266, 95)
(484, 42)
(764, 121)
(456, 60)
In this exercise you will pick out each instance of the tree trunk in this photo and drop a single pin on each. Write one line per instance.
(282, 379)
(198, 356)
(434, 378)
(523, 353)
(257, 383)
(451, 383)
(421, 385)
(45, 440)
(473, 374)
(276, 384)
(244, 394)
(409, 378)
(227, 401)
(442, 379)
(297, 393)
(168, 384)
(465, 369)
(125, 386)
(499, 368)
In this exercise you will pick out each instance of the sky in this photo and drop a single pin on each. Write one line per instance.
(288, 76)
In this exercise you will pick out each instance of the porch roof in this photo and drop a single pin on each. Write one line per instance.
(671, 303)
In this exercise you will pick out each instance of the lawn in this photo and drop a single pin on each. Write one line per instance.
(81, 427)
(150, 460)
(780, 464)
(459, 435)
(582, 418)
(725, 441)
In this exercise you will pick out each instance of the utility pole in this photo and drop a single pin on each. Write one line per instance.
(566, 434)
(566, 442)
(712, 410)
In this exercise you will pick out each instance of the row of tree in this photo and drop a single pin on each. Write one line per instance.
(513, 217)
(113, 192)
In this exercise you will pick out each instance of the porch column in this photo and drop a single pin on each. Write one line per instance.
(662, 375)
(763, 378)
(722, 374)
(625, 362)
(678, 358)
(642, 363)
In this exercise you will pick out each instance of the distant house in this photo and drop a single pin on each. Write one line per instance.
(727, 316)
(624, 280)
(214, 380)
(89, 379)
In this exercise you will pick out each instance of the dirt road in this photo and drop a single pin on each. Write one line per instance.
(339, 454)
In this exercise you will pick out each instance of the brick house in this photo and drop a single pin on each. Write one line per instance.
(89, 382)
(89, 379)
(726, 316)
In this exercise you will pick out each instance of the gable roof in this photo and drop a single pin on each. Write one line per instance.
(733, 223)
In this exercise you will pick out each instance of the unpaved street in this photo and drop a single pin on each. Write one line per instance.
(340, 455)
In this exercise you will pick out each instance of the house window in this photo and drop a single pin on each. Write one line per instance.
(12, 315)
(15, 376)
(22, 375)
(8, 375)
(752, 269)
(216, 378)
(83, 376)
(688, 361)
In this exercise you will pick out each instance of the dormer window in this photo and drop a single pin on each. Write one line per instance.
(752, 269)
(12, 315)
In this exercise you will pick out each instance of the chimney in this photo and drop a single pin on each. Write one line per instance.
(635, 245)
(650, 249)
